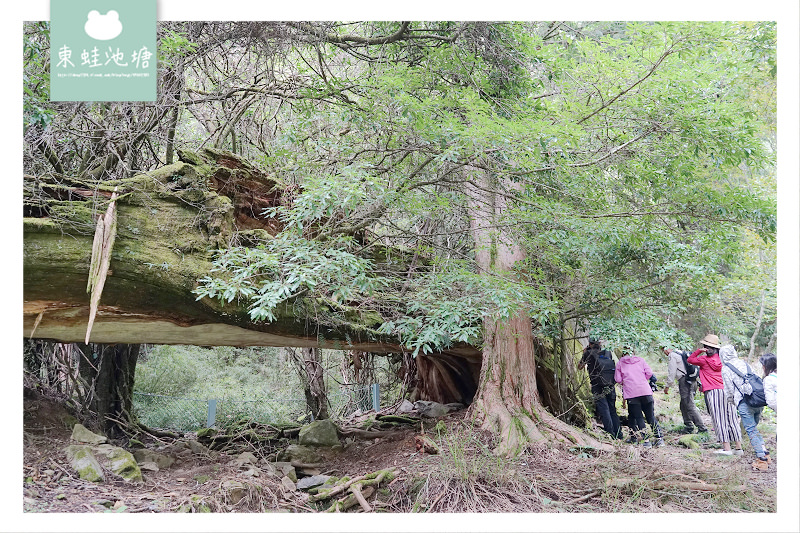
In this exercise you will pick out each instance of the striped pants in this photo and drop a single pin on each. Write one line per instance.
(723, 416)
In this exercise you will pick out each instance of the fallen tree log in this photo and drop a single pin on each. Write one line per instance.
(169, 224)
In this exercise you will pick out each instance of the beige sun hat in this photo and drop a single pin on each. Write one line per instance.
(710, 340)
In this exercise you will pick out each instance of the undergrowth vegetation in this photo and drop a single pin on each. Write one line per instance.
(467, 477)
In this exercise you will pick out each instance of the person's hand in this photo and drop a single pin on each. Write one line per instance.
(703, 351)
(666, 390)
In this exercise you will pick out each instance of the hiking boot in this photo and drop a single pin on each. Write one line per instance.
(646, 444)
(769, 459)
(659, 443)
(761, 464)
(685, 430)
(723, 452)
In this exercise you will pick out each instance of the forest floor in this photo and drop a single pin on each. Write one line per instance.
(463, 477)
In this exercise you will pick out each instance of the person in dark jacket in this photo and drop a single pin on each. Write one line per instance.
(596, 359)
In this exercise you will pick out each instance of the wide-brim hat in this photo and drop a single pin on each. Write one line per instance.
(710, 340)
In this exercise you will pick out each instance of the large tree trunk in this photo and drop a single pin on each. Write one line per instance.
(507, 402)
(111, 374)
(308, 363)
(317, 397)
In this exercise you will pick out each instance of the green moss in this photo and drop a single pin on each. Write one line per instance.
(201, 478)
(40, 225)
(124, 465)
(206, 432)
(192, 158)
(689, 442)
(85, 463)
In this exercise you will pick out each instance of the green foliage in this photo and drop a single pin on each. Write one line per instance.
(624, 156)
(36, 76)
(173, 45)
(222, 372)
(169, 370)
(287, 267)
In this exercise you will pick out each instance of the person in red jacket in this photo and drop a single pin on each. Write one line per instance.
(726, 423)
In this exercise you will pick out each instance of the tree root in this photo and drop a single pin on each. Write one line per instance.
(398, 419)
(517, 427)
(365, 434)
(360, 488)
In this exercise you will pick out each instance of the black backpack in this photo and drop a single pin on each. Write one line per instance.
(692, 371)
(605, 367)
(757, 397)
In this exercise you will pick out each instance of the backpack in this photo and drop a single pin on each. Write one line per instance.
(757, 397)
(605, 367)
(692, 371)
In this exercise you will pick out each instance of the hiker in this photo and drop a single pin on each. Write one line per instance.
(600, 366)
(723, 414)
(736, 387)
(678, 369)
(769, 364)
(634, 374)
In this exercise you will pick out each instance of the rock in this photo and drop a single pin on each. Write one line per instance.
(119, 461)
(270, 469)
(149, 456)
(319, 433)
(235, 491)
(301, 454)
(81, 434)
(84, 463)
(405, 407)
(288, 484)
(245, 458)
(253, 472)
(150, 467)
(313, 481)
(286, 469)
(196, 447)
(430, 409)
(306, 471)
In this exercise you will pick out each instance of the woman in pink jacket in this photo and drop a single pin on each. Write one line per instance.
(633, 374)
